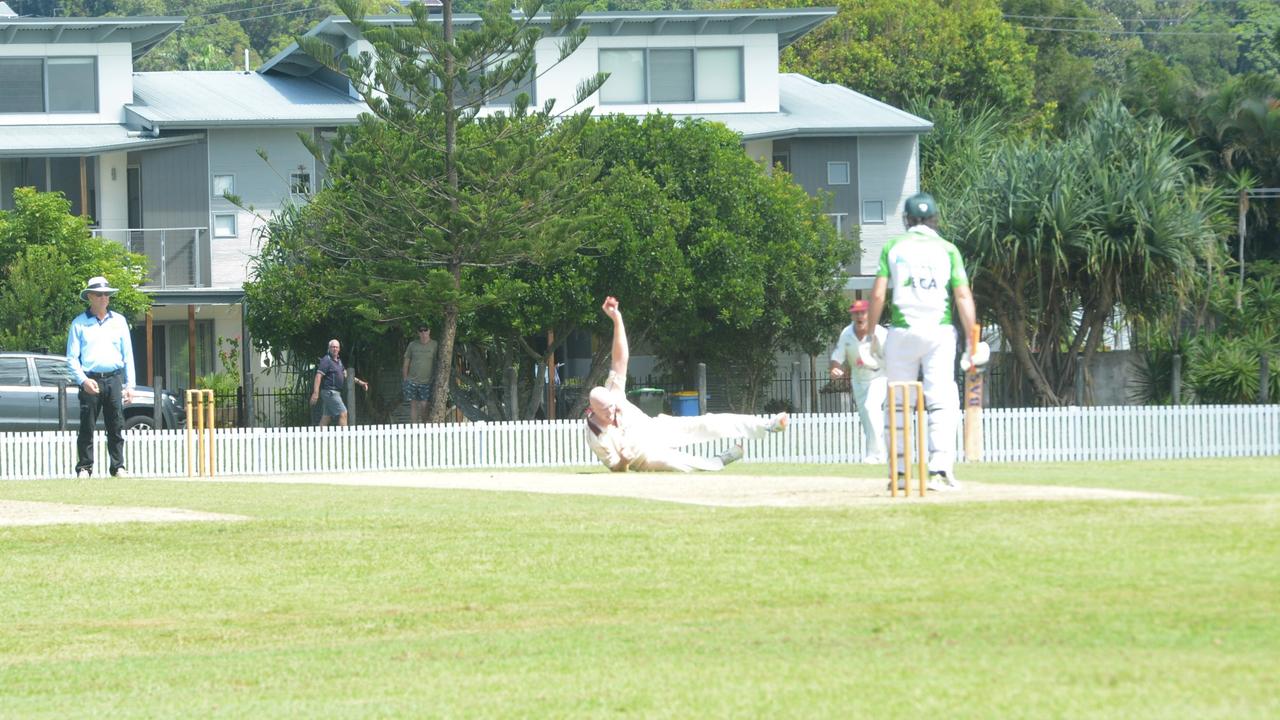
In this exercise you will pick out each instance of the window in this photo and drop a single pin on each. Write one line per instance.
(54, 372)
(73, 85)
(51, 175)
(508, 97)
(837, 219)
(13, 371)
(782, 160)
(57, 84)
(224, 185)
(224, 225)
(837, 173)
(873, 212)
(626, 76)
(470, 94)
(720, 75)
(670, 76)
(23, 81)
(664, 75)
(525, 84)
(172, 352)
(300, 183)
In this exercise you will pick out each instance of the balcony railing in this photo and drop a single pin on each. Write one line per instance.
(176, 257)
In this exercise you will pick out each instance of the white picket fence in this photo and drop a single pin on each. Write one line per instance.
(1010, 435)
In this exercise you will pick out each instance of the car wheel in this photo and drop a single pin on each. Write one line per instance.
(139, 423)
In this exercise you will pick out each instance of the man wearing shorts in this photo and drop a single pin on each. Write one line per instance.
(625, 438)
(923, 272)
(417, 371)
(331, 378)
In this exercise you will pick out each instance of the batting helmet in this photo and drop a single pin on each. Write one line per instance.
(921, 206)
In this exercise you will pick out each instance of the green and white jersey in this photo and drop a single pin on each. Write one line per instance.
(922, 269)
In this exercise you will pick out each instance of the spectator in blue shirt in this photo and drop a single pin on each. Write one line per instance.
(331, 378)
(101, 355)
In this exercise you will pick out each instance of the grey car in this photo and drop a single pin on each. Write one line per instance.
(29, 397)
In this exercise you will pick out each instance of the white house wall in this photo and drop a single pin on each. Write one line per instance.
(113, 192)
(261, 186)
(888, 171)
(115, 82)
(761, 151)
(358, 46)
(760, 69)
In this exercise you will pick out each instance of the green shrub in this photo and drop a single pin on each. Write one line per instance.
(1225, 370)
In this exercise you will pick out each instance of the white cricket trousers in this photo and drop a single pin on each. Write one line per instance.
(870, 396)
(930, 353)
(659, 437)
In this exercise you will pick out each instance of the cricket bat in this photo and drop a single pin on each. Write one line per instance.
(973, 402)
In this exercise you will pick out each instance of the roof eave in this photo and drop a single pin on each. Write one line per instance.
(86, 150)
(106, 28)
(832, 132)
(273, 123)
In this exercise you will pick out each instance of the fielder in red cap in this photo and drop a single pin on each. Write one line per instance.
(859, 355)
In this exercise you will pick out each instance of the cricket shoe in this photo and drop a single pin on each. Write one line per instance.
(121, 473)
(941, 481)
(779, 422)
(732, 455)
(872, 460)
(83, 474)
(902, 484)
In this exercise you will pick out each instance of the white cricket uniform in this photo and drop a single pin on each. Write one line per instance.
(652, 441)
(869, 386)
(923, 269)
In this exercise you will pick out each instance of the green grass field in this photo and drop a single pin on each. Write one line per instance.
(370, 602)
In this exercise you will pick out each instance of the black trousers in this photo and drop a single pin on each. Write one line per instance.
(110, 403)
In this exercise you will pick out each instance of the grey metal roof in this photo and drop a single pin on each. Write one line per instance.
(810, 108)
(788, 23)
(77, 140)
(143, 33)
(190, 99)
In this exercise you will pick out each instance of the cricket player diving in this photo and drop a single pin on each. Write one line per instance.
(625, 438)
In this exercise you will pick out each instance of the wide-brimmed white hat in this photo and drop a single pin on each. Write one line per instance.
(98, 284)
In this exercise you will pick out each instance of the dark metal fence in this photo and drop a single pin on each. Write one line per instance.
(271, 408)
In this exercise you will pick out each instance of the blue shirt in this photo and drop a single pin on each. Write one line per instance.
(104, 345)
(335, 375)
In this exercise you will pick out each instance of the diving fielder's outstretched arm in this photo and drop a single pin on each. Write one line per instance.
(621, 351)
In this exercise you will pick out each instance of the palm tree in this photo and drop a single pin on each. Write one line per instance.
(1064, 235)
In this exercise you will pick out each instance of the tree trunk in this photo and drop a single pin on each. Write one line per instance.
(1016, 332)
(1093, 333)
(444, 357)
(449, 333)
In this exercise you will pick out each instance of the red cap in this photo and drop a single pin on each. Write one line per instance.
(860, 306)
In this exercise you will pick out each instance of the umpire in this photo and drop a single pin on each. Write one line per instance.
(101, 355)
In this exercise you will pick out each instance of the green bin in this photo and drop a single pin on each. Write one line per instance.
(650, 400)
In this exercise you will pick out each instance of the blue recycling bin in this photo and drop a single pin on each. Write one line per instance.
(684, 404)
